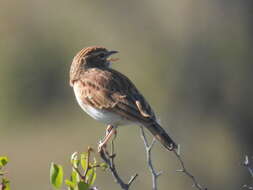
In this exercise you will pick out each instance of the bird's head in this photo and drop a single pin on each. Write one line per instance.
(90, 57)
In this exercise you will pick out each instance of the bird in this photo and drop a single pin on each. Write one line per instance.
(110, 97)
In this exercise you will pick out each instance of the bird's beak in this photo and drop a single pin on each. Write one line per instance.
(112, 52)
(112, 59)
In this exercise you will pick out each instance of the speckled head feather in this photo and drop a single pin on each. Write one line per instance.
(80, 59)
(89, 50)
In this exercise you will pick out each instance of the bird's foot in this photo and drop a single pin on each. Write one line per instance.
(110, 131)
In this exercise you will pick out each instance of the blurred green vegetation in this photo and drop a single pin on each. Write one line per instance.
(83, 172)
(192, 59)
(4, 182)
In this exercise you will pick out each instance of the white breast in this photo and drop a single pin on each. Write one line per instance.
(101, 115)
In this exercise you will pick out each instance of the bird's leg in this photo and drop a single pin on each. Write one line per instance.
(110, 130)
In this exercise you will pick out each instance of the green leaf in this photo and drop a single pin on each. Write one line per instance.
(5, 181)
(94, 164)
(83, 186)
(84, 161)
(94, 161)
(75, 177)
(74, 159)
(3, 161)
(7, 187)
(103, 166)
(91, 176)
(56, 175)
(6, 184)
(70, 184)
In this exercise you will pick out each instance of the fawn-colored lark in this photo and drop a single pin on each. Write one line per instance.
(110, 97)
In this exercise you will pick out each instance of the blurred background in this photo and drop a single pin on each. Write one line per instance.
(191, 58)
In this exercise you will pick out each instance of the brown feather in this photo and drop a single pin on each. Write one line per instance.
(107, 89)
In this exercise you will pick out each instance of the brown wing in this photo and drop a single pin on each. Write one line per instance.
(111, 90)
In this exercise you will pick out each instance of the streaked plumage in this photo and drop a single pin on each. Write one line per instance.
(109, 96)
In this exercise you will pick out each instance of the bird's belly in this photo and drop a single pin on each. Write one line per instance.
(104, 116)
(101, 115)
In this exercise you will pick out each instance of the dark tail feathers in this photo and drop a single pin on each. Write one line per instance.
(161, 135)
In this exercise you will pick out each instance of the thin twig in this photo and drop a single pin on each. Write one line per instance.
(109, 160)
(3, 183)
(148, 149)
(79, 173)
(186, 172)
(248, 164)
(88, 163)
(88, 167)
(132, 179)
(2, 186)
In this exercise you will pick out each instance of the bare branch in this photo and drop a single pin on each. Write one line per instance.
(148, 149)
(109, 159)
(186, 172)
(248, 164)
(132, 179)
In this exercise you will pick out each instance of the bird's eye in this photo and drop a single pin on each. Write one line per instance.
(102, 55)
